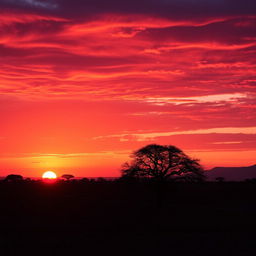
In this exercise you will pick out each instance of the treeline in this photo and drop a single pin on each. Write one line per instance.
(70, 178)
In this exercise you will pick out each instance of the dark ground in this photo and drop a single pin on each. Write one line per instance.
(124, 219)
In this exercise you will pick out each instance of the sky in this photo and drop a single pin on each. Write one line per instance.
(84, 83)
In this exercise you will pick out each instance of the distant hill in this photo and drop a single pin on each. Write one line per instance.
(232, 173)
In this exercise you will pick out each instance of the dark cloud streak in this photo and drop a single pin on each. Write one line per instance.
(173, 9)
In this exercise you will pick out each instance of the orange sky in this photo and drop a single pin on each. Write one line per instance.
(80, 88)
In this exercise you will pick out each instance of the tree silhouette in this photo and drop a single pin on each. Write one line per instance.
(220, 179)
(14, 177)
(85, 180)
(67, 177)
(162, 163)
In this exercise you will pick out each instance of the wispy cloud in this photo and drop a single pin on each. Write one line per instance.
(47, 4)
(153, 135)
(112, 76)
(231, 98)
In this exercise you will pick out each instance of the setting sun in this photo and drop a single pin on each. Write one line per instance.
(49, 175)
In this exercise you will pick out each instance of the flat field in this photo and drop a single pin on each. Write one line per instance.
(79, 218)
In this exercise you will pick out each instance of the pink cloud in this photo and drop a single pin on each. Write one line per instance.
(117, 77)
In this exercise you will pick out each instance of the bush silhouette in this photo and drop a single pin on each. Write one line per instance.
(220, 179)
(13, 177)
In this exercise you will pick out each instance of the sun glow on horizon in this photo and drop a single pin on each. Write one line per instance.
(49, 175)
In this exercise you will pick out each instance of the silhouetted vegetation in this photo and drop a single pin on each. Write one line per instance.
(220, 179)
(163, 163)
(14, 178)
(67, 177)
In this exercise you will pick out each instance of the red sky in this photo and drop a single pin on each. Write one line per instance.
(83, 84)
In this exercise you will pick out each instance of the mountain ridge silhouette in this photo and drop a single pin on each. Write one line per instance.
(232, 173)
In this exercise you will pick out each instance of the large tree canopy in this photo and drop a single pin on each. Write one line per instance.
(162, 163)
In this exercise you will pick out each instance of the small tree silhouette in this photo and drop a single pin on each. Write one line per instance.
(85, 180)
(101, 180)
(14, 177)
(67, 177)
(162, 163)
(220, 179)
